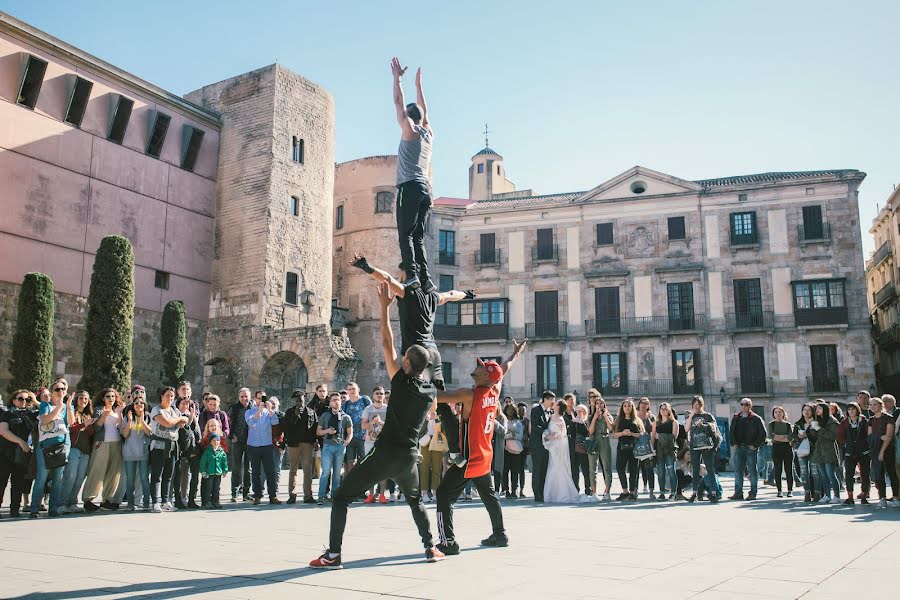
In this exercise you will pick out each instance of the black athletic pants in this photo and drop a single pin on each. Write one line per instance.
(449, 427)
(850, 463)
(383, 462)
(448, 493)
(413, 209)
(783, 458)
(625, 460)
(580, 462)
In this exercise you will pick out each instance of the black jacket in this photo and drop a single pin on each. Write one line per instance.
(539, 424)
(239, 427)
(749, 431)
(299, 426)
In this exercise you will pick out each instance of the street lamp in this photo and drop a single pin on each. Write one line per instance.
(723, 395)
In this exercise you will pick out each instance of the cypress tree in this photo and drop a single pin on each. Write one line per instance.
(173, 339)
(110, 318)
(31, 363)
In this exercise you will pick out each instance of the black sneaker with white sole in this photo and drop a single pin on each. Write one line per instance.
(496, 541)
(449, 548)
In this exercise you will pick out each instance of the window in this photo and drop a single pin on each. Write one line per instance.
(742, 197)
(78, 100)
(384, 202)
(491, 312)
(32, 80)
(546, 314)
(606, 310)
(481, 167)
(446, 247)
(119, 122)
(290, 288)
(686, 371)
(681, 305)
(447, 369)
(158, 134)
(753, 370)
(162, 280)
(488, 249)
(445, 283)
(820, 302)
(297, 150)
(191, 140)
(295, 206)
(825, 375)
(448, 314)
(747, 303)
(676, 228)
(545, 247)
(743, 228)
(611, 373)
(498, 169)
(813, 227)
(549, 373)
(605, 234)
(339, 217)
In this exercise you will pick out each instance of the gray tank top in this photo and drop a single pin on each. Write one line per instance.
(414, 156)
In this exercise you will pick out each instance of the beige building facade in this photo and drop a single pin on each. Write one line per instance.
(881, 283)
(653, 285)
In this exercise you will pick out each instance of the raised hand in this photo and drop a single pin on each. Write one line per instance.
(419, 77)
(385, 297)
(470, 294)
(396, 69)
(360, 262)
(518, 346)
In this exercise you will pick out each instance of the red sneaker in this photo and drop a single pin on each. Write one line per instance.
(433, 555)
(327, 562)
(382, 499)
(369, 499)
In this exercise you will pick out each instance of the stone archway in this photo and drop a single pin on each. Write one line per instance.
(283, 373)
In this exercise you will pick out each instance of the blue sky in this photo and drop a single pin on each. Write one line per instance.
(574, 92)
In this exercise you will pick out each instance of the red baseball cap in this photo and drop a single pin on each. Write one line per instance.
(494, 371)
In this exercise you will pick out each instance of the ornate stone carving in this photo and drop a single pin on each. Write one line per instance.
(641, 241)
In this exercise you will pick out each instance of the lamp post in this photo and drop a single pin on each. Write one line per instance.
(723, 395)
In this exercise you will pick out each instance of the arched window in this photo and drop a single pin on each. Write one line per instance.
(384, 202)
(282, 374)
(297, 150)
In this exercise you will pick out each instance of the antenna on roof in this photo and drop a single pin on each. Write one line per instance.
(486, 132)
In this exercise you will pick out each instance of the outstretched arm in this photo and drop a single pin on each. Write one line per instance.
(420, 100)
(458, 396)
(360, 262)
(517, 350)
(399, 102)
(455, 296)
(387, 336)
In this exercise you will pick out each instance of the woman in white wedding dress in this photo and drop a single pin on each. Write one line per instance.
(559, 487)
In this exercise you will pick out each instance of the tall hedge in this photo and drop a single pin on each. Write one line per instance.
(110, 318)
(173, 339)
(31, 363)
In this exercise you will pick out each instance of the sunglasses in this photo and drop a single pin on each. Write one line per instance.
(22, 398)
(59, 389)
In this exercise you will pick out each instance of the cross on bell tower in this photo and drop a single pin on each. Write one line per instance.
(486, 132)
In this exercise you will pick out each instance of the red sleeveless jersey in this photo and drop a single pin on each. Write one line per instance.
(480, 431)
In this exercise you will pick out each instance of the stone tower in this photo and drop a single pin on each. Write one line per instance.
(270, 306)
(487, 176)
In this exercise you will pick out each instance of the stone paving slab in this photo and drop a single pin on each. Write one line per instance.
(769, 549)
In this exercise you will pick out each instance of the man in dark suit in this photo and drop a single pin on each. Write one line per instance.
(540, 420)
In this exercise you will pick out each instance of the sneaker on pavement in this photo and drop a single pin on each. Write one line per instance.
(370, 499)
(63, 510)
(393, 497)
(449, 548)
(156, 508)
(836, 500)
(882, 503)
(849, 502)
(496, 541)
(327, 561)
(382, 499)
(457, 459)
(825, 500)
(434, 555)
(169, 507)
(90, 506)
(751, 496)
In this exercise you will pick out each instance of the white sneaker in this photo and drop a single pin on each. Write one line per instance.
(607, 498)
(894, 502)
(156, 508)
(836, 500)
(393, 497)
(825, 500)
(63, 510)
(882, 503)
(169, 507)
(74, 508)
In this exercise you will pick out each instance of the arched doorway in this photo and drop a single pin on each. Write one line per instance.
(283, 373)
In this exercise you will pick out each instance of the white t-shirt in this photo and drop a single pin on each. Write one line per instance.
(111, 428)
(368, 414)
(171, 433)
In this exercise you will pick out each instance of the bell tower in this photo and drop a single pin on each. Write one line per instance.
(487, 175)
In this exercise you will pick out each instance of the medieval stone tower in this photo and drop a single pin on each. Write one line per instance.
(270, 306)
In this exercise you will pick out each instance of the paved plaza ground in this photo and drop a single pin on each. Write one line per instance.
(769, 548)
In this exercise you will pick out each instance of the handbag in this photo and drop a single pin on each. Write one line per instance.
(700, 440)
(592, 445)
(55, 455)
(514, 446)
(803, 448)
(643, 449)
(439, 443)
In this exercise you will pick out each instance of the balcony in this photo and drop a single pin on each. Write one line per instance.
(618, 389)
(836, 384)
(744, 321)
(883, 252)
(685, 388)
(545, 253)
(488, 258)
(538, 388)
(885, 295)
(889, 338)
(815, 232)
(745, 239)
(805, 317)
(549, 330)
(465, 333)
(446, 258)
(753, 386)
(645, 325)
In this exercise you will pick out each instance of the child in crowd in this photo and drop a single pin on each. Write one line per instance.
(213, 465)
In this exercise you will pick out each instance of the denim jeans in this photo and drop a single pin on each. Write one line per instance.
(744, 456)
(666, 465)
(332, 459)
(137, 470)
(54, 477)
(162, 464)
(73, 476)
(708, 458)
(828, 474)
(262, 460)
(808, 473)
